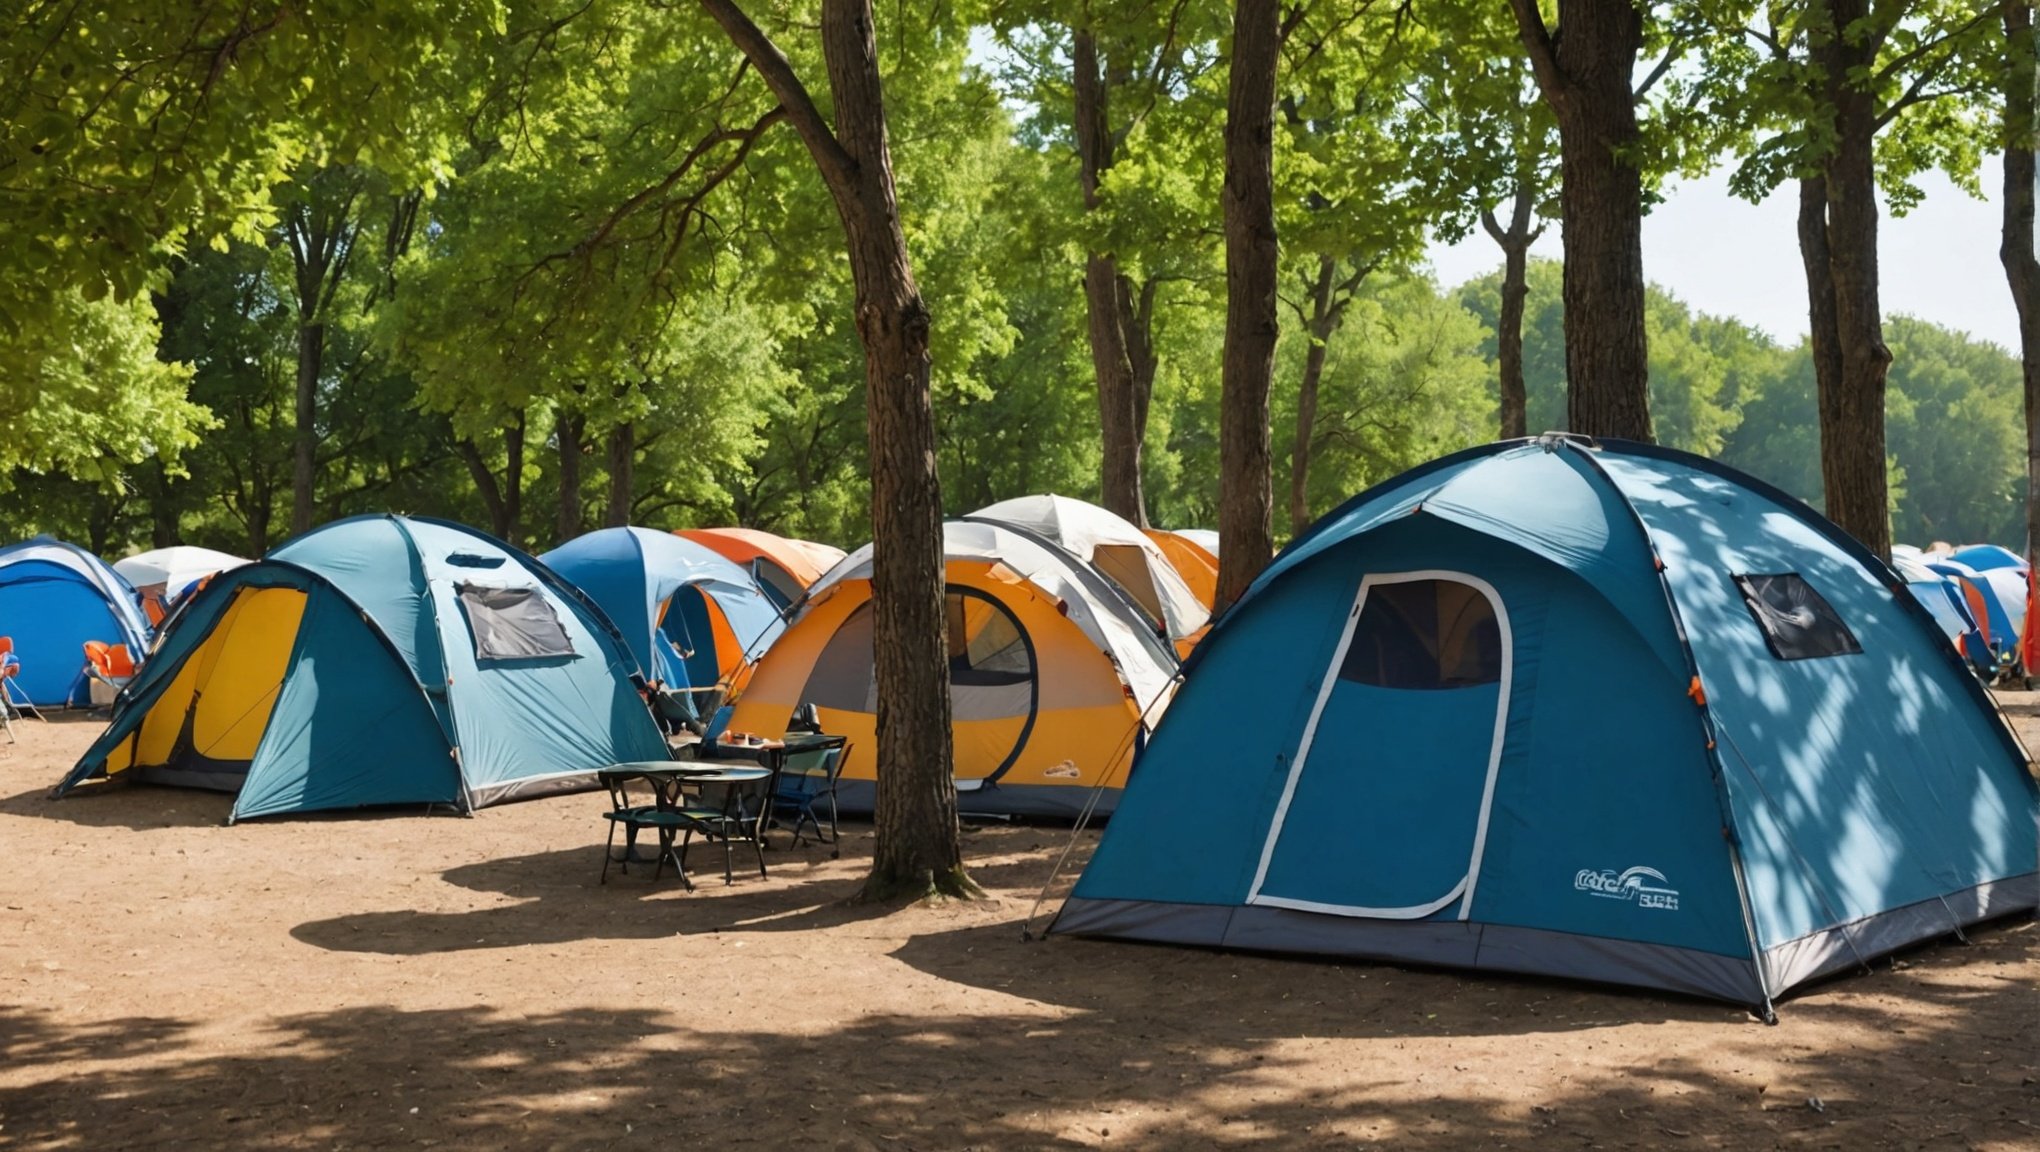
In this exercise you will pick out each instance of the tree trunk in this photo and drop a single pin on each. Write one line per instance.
(1585, 72)
(567, 430)
(2021, 261)
(917, 845)
(1139, 308)
(164, 530)
(1324, 320)
(259, 511)
(504, 499)
(320, 229)
(1106, 301)
(1823, 338)
(1245, 495)
(305, 434)
(484, 477)
(622, 474)
(1852, 461)
(512, 531)
(1515, 241)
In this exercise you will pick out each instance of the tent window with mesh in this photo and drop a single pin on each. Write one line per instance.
(513, 623)
(1424, 634)
(1798, 623)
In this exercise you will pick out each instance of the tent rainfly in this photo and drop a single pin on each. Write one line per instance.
(1586, 709)
(380, 660)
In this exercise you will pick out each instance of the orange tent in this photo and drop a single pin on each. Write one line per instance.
(1197, 567)
(784, 566)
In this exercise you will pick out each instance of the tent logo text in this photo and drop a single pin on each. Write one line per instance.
(1645, 886)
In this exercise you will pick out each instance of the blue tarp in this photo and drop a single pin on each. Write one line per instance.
(1637, 789)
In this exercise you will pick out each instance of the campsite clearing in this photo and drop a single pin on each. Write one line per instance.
(417, 981)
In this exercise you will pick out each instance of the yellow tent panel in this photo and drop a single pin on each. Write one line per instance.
(223, 695)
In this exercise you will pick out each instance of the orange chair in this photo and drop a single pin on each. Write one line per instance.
(110, 664)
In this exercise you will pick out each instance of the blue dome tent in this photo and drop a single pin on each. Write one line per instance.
(1596, 710)
(691, 617)
(54, 597)
(380, 660)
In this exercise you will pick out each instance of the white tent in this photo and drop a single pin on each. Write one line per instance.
(1122, 552)
(164, 574)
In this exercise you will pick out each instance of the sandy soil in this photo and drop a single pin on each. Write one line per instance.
(418, 981)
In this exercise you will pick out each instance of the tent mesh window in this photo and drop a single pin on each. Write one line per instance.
(843, 677)
(991, 665)
(513, 623)
(1425, 635)
(1797, 622)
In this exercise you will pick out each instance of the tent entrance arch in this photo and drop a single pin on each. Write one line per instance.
(1423, 670)
(994, 682)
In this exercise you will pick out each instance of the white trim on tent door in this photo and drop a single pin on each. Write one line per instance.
(1463, 891)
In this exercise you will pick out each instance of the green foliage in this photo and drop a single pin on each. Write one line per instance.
(129, 130)
(1703, 370)
(84, 393)
(1964, 461)
(1765, 100)
(564, 211)
(1405, 381)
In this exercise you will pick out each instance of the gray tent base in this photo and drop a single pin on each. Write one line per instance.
(1053, 801)
(1541, 952)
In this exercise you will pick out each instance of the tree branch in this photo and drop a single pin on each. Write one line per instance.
(836, 163)
(1905, 59)
(1664, 65)
(1537, 43)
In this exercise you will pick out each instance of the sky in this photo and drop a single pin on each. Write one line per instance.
(1728, 257)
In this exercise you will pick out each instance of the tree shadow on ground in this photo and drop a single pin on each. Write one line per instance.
(1219, 1054)
(135, 806)
(561, 900)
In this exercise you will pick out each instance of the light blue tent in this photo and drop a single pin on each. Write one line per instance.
(1990, 557)
(54, 597)
(1942, 596)
(380, 660)
(691, 617)
(1979, 592)
(1603, 711)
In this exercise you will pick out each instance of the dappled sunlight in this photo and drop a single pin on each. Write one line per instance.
(1222, 1052)
(396, 981)
(1864, 782)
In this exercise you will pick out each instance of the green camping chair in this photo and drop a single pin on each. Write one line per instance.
(808, 779)
(635, 804)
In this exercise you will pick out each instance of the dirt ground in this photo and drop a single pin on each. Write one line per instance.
(396, 981)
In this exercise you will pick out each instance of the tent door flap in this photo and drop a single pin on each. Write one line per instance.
(1385, 810)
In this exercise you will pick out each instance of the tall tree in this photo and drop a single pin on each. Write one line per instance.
(320, 225)
(918, 846)
(1353, 198)
(2018, 249)
(1245, 486)
(1487, 147)
(1585, 68)
(1121, 84)
(1838, 231)
(1120, 321)
(570, 441)
(1847, 98)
